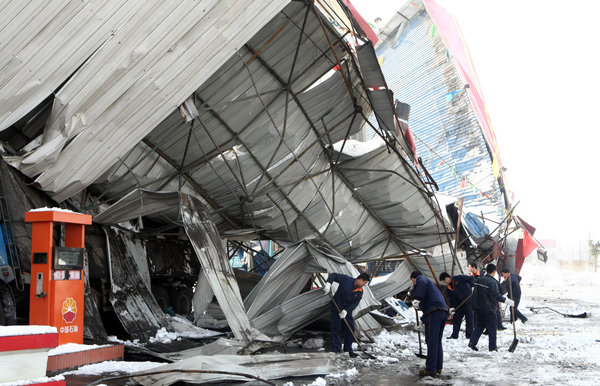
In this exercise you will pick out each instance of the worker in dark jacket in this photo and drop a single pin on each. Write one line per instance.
(485, 304)
(515, 286)
(348, 295)
(435, 313)
(462, 288)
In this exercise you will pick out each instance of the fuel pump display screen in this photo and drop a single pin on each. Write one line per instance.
(68, 258)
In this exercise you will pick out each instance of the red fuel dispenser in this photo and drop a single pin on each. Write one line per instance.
(57, 285)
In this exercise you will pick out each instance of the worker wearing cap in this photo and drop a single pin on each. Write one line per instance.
(348, 295)
(435, 313)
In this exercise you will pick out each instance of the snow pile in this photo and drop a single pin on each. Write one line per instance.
(347, 375)
(187, 329)
(164, 336)
(74, 347)
(26, 330)
(313, 343)
(318, 382)
(110, 367)
(45, 209)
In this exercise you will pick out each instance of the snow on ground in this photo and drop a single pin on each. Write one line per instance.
(552, 349)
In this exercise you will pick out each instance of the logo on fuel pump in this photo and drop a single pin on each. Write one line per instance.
(69, 310)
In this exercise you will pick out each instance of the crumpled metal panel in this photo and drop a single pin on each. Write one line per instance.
(126, 89)
(140, 203)
(266, 366)
(42, 44)
(394, 283)
(132, 300)
(215, 265)
(276, 306)
(397, 197)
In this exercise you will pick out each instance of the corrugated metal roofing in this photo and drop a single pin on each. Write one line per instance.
(420, 71)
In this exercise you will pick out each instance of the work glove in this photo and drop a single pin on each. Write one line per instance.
(451, 311)
(327, 288)
(343, 314)
(415, 304)
(509, 302)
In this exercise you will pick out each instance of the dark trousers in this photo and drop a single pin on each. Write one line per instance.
(434, 329)
(518, 314)
(337, 328)
(485, 320)
(498, 316)
(466, 312)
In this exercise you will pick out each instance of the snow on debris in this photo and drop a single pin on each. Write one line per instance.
(114, 367)
(26, 330)
(164, 336)
(74, 347)
(187, 329)
(314, 343)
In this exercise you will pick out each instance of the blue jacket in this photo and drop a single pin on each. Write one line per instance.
(486, 294)
(463, 287)
(347, 295)
(514, 283)
(428, 294)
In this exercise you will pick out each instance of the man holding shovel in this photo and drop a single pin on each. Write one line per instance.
(345, 300)
(435, 313)
(515, 285)
(485, 304)
(462, 288)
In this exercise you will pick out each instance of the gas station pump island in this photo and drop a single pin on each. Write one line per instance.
(57, 279)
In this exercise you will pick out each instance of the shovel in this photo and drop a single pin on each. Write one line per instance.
(582, 315)
(420, 354)
(515, 341)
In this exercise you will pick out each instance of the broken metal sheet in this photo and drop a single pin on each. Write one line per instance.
(42, 44)
(266, 366)
(255, 153)
(398, 198)
(293, 269)
(204, 237)
(93, 328)
(132, 301)
(277, 307)
(203, 295)
(130, 80)
(369, 65)
(394, 283)
(289, 316)
(140, 203)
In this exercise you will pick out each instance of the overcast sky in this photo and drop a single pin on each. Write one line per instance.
(538, 69)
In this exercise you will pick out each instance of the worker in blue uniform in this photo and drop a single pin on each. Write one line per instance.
(485, 304)
(348, 295)
(430, 300)
(515, 286)
(462, 288)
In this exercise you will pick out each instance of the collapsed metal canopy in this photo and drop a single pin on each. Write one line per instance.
(240, 105)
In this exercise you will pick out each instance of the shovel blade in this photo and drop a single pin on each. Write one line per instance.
(513, 345)
(583, 315)
(421, 355)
